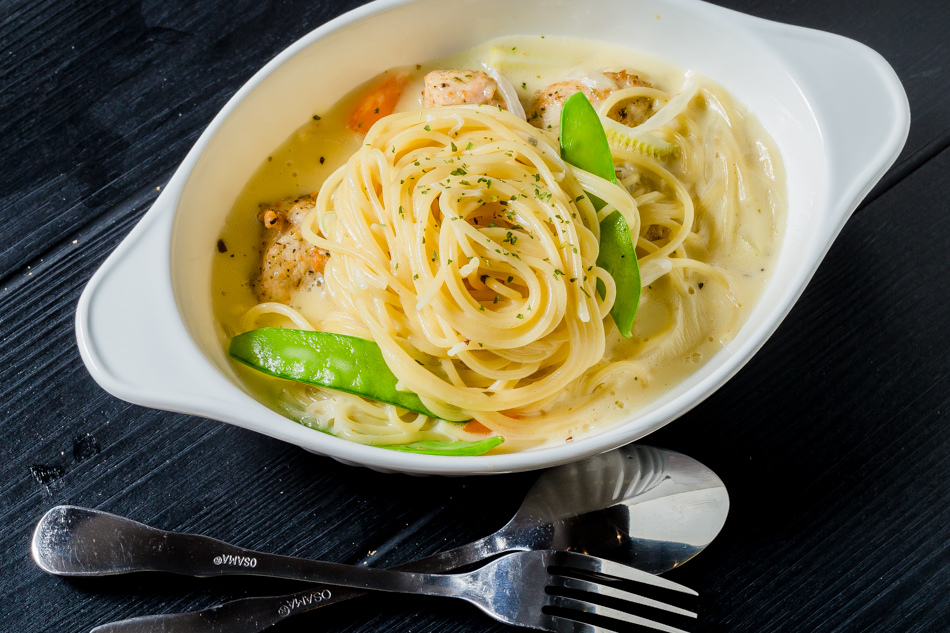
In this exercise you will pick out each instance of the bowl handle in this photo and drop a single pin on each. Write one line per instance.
(854, 87)
(129, 331)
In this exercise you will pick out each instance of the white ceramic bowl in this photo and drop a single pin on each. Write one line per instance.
(834, 107)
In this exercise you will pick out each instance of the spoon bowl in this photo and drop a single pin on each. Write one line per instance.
(646, 507)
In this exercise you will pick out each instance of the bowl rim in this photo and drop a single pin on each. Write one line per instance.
(156, 228)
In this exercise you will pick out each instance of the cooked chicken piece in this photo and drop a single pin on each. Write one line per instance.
(635, 111)
(458, 87)
(288, 261)
(545, 111)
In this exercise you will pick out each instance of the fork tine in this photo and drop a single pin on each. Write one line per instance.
(612, 592)
(596, 565)
(573, 604)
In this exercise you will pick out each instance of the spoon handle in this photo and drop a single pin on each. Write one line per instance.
(251, 615)
(246, 615)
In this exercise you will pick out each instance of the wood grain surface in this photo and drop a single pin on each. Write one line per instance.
(834, 441)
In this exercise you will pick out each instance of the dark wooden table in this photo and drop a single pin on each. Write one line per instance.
(833, 441)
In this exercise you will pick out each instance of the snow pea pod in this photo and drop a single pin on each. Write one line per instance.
(336, 361)
(345, 363)
(455, 449)
(584, 145)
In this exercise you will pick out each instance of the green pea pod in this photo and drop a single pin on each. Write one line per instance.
(455, 449)
(336, 361)
(584, 145)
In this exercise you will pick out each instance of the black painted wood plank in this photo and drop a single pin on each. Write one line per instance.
(100, 98)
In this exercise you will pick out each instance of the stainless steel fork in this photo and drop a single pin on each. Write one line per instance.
(538, 589)
(547, 590)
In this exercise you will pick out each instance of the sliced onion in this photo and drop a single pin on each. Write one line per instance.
(673, 108)
(592, 79)
(512, 104)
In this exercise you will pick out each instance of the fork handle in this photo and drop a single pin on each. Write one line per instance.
(74, 541)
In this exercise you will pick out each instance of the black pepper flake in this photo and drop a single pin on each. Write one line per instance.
(322, 160)
(316, 117)
(222, 247)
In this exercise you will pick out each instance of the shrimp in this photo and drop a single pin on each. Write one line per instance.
(545, 111)
(288, 261)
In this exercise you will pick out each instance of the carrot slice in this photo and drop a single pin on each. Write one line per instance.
(476, 427)
(380, 101)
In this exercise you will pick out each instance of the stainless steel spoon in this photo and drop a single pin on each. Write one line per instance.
(649, 508)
